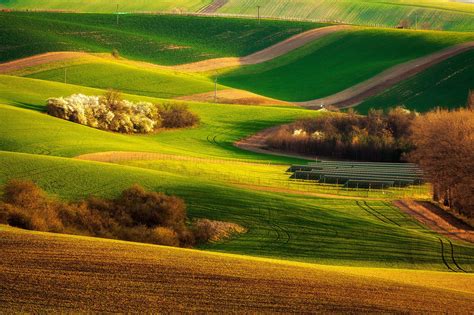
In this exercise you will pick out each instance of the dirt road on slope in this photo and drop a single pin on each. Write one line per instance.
(213, 6)
(360, 92)
(437, 220)
(233, 96)
(266, 54)
(37, 60)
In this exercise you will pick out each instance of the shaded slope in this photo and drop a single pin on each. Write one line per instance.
(163, 39)
(337, 62)
(445, 84)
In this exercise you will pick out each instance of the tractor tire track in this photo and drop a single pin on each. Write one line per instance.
(381, 214)
(369, 212)
(452, 257)
(443, 257)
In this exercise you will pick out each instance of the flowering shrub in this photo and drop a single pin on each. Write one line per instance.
(110, 112)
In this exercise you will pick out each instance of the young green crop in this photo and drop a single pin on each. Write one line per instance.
(337, 61)
(431, 14)
(107, 6)
(445, 85)
(104, 74)
(163, 39)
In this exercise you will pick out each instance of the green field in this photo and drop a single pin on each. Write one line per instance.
(337, 61)
(432, 14)
(295, 225)
(225, 123)
(329, 231)
(445, 85)
(128, 78)
(105, 6)
(163, 39)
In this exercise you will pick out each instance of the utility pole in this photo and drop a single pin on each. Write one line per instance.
(258, 14)
(416, 21)
(65, 75)
(117, 14)
(215, 88)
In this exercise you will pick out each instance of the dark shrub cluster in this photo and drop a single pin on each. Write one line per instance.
(136, 215)
(111, 112)
(378, 136)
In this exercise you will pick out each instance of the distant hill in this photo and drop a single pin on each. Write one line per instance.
(427, 14)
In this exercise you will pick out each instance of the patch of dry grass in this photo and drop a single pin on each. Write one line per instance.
(51, 272)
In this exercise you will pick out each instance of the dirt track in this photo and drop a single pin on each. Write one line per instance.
(39, 60)
(266, 54)
(437, 220)
(359, 92)
(213, 6)
(234, 96)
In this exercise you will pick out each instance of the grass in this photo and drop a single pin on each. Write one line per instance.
(435, 14)
(445, 85)
(105, 6)
(103, 74)
(337, 62)
(281, 226)
(225, 123)
(162, 39)
(295, 226)
(87, 274)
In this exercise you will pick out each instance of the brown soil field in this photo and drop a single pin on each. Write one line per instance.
(60, 273)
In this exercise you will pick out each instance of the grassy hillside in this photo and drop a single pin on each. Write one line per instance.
(105, 6)
(433, 14)
(160, 39)
(337, 62)
(130, 277)
(330, 231)
(193, 164)
(128, 78)
(223, 123)
(445, 85)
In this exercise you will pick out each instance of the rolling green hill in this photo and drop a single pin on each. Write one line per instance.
(337, 61)
(298, 226)
(163, 39)
(432, 14)
(106, 6)
(329, 231)
(445, 85)
(226, 122)
(107, 73)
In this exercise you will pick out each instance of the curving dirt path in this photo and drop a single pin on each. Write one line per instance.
(266, 54)
(437, 220)
(359, 92)
(37, 60)
(234, 96)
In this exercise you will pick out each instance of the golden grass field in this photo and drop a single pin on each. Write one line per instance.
(54, 272)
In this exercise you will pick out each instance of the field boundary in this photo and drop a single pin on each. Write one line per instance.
(435, 221)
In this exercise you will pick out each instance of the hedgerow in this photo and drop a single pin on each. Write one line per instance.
(111, 112)
(136, 215)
